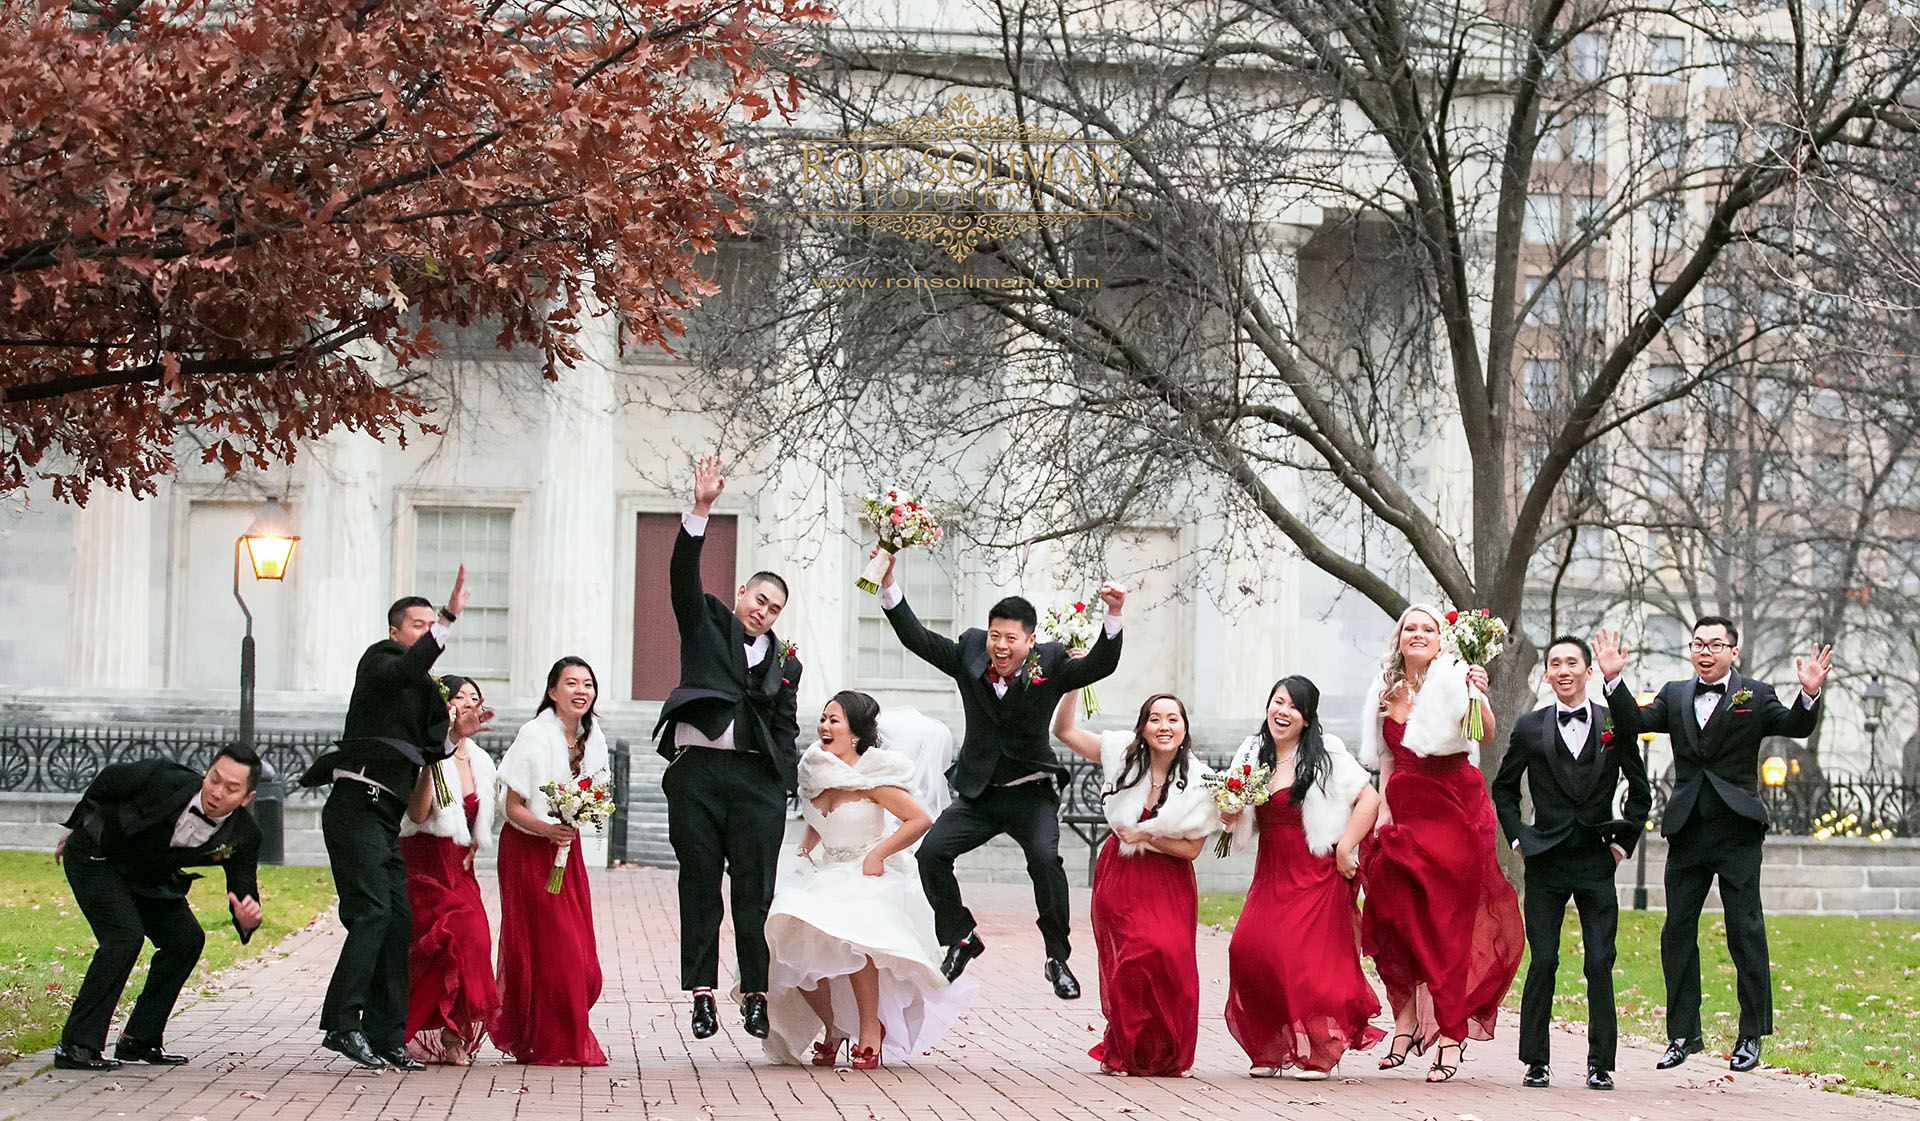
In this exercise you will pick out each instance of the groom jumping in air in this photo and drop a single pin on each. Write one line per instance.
(1714, 822)
(1006, 779)
(730, 730)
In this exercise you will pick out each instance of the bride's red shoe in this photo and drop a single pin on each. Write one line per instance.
(868, 1058)
(827, 1051)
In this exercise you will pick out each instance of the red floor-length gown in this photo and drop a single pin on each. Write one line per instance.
(1296, 995)
(450, 964)
(1146, 910)
(549, 964)
(1438, 911)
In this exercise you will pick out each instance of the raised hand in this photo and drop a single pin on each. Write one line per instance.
(457, 599)
(1608, 656)
(245, 911)
(1813, 669)
(468, 723)
(1113, 595)
(1477, 678)
(887, 580)
(707, 484)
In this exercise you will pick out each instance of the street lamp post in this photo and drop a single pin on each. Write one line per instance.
(1640, 850)
(1872, 700)
(267, 545)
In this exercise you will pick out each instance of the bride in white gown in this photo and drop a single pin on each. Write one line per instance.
(850, 932)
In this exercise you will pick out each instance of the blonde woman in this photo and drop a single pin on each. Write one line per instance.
(1441, 922)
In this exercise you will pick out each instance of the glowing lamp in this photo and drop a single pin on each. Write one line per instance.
(270, 541)
(1773, 771)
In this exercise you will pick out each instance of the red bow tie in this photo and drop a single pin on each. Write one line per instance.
(999, 678)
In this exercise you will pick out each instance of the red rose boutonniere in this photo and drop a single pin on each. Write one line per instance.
(1740, 698)
(1032, 669)
(220, 854)
(1606, 734)
(788, 650)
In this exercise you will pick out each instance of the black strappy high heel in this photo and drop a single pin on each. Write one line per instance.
(1396, 1057)
(1445, 1071)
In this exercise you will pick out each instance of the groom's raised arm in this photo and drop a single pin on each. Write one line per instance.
(1104, 658)
(683, 569)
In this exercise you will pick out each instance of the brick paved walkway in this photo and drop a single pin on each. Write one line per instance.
(1019, 1054)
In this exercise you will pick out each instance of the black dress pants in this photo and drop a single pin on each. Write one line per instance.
(122, 919)
(368, 991)
(1579, 869)
(726, 815)
(1716, 842)
(1030, 814)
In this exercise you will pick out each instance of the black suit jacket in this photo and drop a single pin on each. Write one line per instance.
(1726, 753)
(1013, 727)
(716, 687)
(396, 719)
(1571, 794)
(129, 811)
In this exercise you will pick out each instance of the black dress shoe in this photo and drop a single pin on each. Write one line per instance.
(1746, 1053)
(398, 1059)
(754, 1015)
(130, 1050)
(962, 952)
(1677, 1052)
(1598, 1079)
(353, 1044)
(1538, 1076)
(706, 1020)
(1065, 986)
(70, 1056)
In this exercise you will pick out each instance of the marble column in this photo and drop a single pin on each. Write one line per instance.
(110, 593)
(571, 573)
(340, 570)
(804, 512)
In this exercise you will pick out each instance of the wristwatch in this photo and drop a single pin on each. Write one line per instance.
(448, 617)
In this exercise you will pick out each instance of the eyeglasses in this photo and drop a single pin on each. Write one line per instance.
(1714, 647)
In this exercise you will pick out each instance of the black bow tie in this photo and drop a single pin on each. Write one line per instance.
(197, 812)
(1700, 687)
(1568, 716)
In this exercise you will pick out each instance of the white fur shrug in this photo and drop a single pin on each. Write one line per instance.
(1433, 723)
(539, 756)
(450, 820)
(1185, 815)
(1328, 804)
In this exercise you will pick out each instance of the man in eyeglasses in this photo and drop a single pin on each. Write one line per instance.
(1714, 822)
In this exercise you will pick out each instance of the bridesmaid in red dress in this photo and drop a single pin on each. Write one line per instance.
(1441, 922)
(1146, 906)
(549, 963)
(1296, 995)
(451, 998)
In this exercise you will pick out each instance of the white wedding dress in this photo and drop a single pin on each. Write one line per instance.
(828, 918)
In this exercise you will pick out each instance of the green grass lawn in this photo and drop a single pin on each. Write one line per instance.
(1846, 991)
(45, 942)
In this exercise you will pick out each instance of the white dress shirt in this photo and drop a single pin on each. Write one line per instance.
(1573, 732)
(684, 734)
(192, 828)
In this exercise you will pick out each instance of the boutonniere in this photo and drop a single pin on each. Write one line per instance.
(1606, 733)
(1742, 697)
(446, 695)
(220, 854)
(1031, 669)
(788, 650)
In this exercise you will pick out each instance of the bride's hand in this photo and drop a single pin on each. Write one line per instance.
(874, 864)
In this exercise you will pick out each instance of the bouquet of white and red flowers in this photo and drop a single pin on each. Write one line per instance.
(1235, 791)
(587, 801)
(1475, 636)
(1076, 627)
(902, 521)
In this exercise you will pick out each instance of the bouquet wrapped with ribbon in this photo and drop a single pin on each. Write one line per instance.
(1477, 637)
(575, 803)
(1235, 791)
(902, 520)
(1076, 627)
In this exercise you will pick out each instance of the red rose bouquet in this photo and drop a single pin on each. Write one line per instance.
(586, 801)
(1235, 790)
(901, 520)
(1477, 637)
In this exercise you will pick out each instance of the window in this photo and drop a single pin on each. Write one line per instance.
(1717, 304)
(1659, 552)
(446, 537)
(1667, 218)
(1542, 383)
(1773, 67)
(1830, 476)
(1663, 472)
(1665, 633)
(929, 588)
(1542, 219)
(1587, 302)
(1902, 488)
(1827, 404)
(1723, 66)
(1588, 140)
(1543, 295)
(1771, 559)
(1589, 215)
(1777, 142)
(1667, 141)
(1666, 55)
(1713, 476)
(1829, 563)
(1662, 380)
(1587, 56)
(1720, 144)
(1772, 477)
(1678, 316)
(1548, 147)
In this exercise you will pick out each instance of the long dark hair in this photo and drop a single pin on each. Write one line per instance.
(1310, 759)
(553, 678)
(863, 717)
(1139, 761)
(453, 683)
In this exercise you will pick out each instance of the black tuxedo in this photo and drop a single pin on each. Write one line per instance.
(1715, 825)
(396, 723)
(131, 883)
(1568, 858)
(726, 810)
(1006, 740)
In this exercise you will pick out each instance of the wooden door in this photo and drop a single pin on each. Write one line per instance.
(656, 640)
